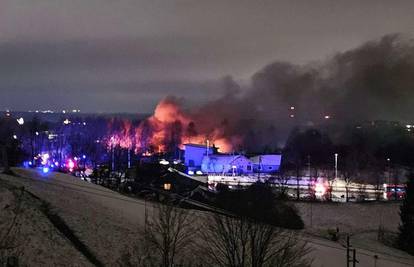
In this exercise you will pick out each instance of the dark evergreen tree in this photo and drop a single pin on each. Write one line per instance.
(406, 235)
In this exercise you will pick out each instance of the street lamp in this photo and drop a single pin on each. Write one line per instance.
(113, 153)
(389, 169)
(207, 158)
(20, 121)
(336, 165)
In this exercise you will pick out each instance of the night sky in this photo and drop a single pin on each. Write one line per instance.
(124, 56)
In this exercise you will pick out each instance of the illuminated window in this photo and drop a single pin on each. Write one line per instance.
(167, 186)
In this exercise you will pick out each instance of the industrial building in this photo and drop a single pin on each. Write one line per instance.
(201, 160)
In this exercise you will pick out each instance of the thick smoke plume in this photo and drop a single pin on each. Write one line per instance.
(372, 82)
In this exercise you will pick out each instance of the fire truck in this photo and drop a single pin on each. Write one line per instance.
(394, 191)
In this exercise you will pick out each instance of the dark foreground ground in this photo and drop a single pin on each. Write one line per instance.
(84, 224)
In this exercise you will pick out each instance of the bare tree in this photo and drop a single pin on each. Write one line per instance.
(281, 180)
(6, 133)
(330, 177)
(349, 170)
(165, 238)
(227, 241)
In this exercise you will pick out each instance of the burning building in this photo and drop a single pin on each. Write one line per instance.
(170, 127)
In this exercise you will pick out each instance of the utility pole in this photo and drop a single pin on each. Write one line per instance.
(354, 260)
(309, 177)
(349, 249)
(208, 160)
(311, 190)
(113, 158)
(129, 157)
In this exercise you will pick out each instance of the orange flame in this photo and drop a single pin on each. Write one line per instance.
(171, 125)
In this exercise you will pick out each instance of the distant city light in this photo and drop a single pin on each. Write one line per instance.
(167, 186)
(45, 169)
(292, 108)
(20, 121)
(164, 162)
(327, 117)
(71, 165)
(199, 172)
(14, 137)
(190, 172)
(320, 190)
(292, 115)
(37, 133)
(52, 136)
(66, 122)
(84, 156)
(112, 140)
(45, 157)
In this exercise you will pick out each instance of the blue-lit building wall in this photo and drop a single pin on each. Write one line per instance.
(195, 159)
(193, 155)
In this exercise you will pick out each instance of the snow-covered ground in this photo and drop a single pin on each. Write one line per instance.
(107, 222)
(361, 221)
(104, 220)
(36, 241)
(350, 217)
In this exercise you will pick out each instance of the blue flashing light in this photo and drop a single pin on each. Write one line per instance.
(30, 163)
(45, 169)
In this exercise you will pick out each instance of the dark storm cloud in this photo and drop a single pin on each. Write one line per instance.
(85, 73)
(144, 54)
(371, 82)
(126, 55)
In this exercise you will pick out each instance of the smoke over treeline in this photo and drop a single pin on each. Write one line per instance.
(372, 82)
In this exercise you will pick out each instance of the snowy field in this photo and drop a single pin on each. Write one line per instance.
(107, 222)
(104, 220)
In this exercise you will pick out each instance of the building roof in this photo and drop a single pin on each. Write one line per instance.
(223, 158)
(197, 145)
(267, 159)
